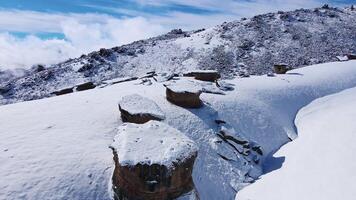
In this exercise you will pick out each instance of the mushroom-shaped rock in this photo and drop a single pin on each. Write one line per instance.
(153, 161)
(185, 94)
(137, 109)
(204, 75)
(280, 68)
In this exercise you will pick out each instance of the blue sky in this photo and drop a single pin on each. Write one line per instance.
(50, 31)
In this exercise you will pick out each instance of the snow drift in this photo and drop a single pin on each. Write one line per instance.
(58, 148)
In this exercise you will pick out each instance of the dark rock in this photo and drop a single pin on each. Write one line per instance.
(186, 99)
(280, 68)
(204, 75)
(351, 56)
(63, 91)
(85, 86)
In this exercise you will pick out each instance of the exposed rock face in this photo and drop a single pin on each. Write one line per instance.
(152, 182)
(280, 69)
(204, 75)
(85, 86)
(153, 161)
(139, 110)
(351, 56)
(184, 94)
(63, 91)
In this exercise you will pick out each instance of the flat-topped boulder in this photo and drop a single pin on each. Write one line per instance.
(204, 75)
(63, 91)
(85, 86)
(137, 109)
(351, 56)
(280, 68)
(153, 161)
(185, 94)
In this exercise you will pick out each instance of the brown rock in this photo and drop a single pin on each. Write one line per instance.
(139, 110)
(204, 75)
(153, 161)
(63, 91)
(152, 182)
(184, 99)
(280, 68)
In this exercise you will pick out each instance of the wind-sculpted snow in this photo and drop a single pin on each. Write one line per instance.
(58, 148)
(247, 46)
(321, 163)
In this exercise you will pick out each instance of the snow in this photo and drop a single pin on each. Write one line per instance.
(321, 163)
(58, 148)
(152, 143)
(137, 105)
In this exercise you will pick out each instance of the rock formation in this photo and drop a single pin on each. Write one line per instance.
(137, 109)
(280, 68)
(153, 161)
(184, 94)
(204, 75)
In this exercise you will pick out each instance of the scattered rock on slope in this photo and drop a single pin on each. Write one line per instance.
(137, 109)
(153, 161)
(204, 75)
(185, 94)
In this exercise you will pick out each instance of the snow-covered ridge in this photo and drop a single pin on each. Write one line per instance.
(297, 38)
(57, 148)
(321, 163)
(152, 143)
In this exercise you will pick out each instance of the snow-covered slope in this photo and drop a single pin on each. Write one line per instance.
(321, 163)
(297, 38)
(58, 148)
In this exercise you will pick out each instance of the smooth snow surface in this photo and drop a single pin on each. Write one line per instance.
(58, 148)
(321, 163)
(152, 143)
(136, 104)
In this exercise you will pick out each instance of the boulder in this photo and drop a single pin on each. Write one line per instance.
(137, 109)
(153, 161)
(280, 68)
(342, 58)
(85, 86)
(204, 75)
(63, 91)
(184, 94)
(351, 56)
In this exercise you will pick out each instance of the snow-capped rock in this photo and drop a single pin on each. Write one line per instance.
(152, 161)
(137, 109)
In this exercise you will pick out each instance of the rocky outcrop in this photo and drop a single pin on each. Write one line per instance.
(153, 161)
(63, 91)
(139, 110)
(204, 75)
(280, 68)
(184, 94)
(351, 56)
(85, 86)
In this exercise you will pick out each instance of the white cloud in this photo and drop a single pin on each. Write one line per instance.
(83, 34)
